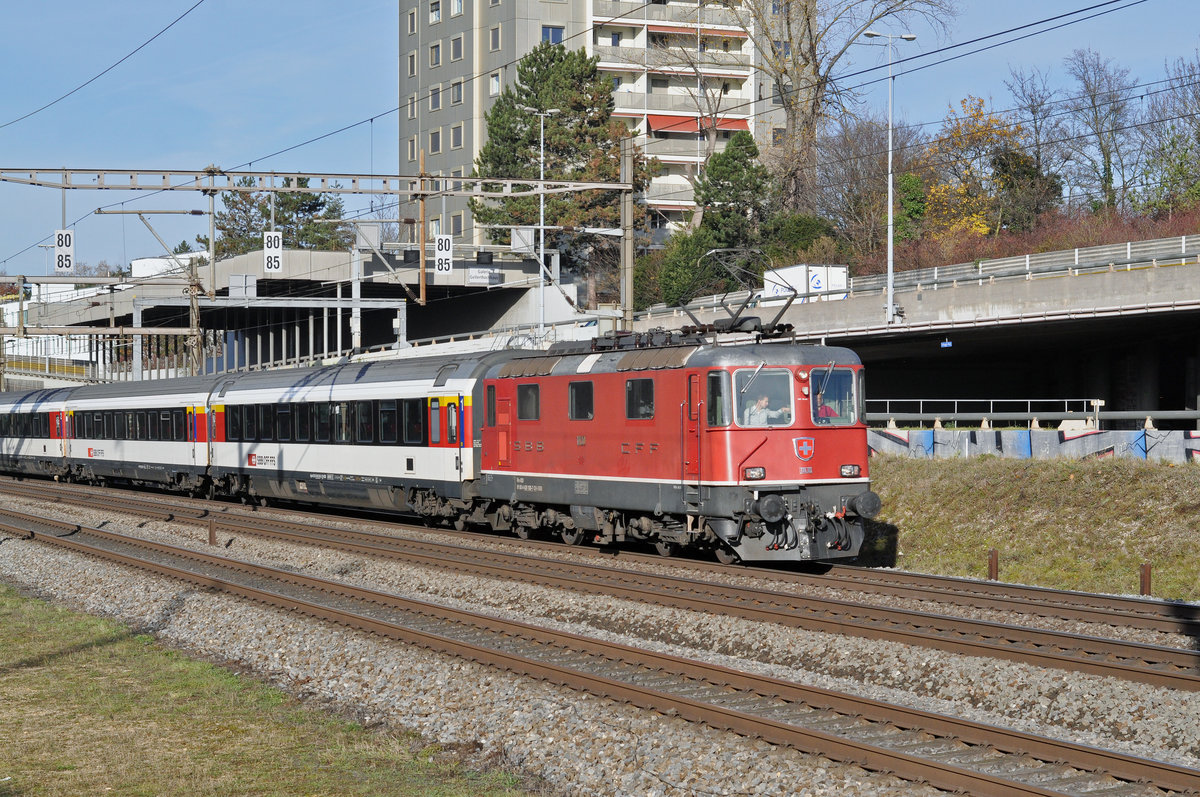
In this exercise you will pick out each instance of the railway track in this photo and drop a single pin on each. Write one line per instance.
(943, 751)
(1170, 667)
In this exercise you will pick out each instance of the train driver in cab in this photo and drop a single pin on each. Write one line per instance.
(760, 414)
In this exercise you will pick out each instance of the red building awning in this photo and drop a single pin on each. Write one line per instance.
(691, 124)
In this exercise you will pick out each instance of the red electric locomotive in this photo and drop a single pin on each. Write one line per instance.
(755, 451)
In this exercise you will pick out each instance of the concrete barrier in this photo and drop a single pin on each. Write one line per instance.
(1163, 446)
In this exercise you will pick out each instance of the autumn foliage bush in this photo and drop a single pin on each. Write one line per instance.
(1055, 230)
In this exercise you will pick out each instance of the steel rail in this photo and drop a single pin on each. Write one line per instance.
(1156, 665)
(938, 770)
(1174, 617)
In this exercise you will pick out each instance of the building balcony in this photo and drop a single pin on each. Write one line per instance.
(628, 14)
(639, 102)
(675, 193)
(671, 58)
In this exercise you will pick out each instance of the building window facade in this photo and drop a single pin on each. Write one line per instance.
(494, 38)
(435, 54)
(552, 34)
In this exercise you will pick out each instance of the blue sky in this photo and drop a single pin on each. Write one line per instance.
(235, 81)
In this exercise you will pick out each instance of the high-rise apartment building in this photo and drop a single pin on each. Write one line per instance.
(678, 70)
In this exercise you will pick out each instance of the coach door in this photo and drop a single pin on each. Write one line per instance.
(690, 425)
(503, 431)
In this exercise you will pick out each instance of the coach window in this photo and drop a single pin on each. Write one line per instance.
(179, 425)
(580, 406)
(366, 422)
(250, 423)
(283, 423)
(435, 421)
(301, 415)
(343, 422)
(266, 423)
(152, 425)
(491, 405)
(452, 422)
(233, 424)
(639, 399)
(719, 411)
(387, 421)
(414, 422)
(528, 402)
(320, 422)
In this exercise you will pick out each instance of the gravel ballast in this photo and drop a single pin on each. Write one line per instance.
(578, 743)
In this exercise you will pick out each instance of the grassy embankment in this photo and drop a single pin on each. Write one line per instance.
(86, 707)
(1086, 525)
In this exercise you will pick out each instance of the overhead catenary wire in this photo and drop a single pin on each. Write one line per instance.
(469, 78)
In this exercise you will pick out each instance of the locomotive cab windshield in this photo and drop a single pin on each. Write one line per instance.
(764, 396)
(834, 398)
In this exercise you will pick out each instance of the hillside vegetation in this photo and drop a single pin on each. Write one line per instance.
(1086, 525)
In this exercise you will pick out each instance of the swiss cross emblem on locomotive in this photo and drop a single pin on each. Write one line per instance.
(804, 447)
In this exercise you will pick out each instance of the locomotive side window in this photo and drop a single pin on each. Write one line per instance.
(528, 402)
(639, 399)
(580, 404)
(833, 394)
(764, 396)
(387, 421)
(719, 410)
(491, 405)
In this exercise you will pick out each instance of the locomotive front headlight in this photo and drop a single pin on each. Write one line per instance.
(851, 471)
(754, 474)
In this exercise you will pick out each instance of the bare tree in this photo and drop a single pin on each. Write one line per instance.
(853, 177)
(1042, 127)
(800, 43)
(1170, 176)
(1103, 141)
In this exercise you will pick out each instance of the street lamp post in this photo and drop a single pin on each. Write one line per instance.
(889, 313)
(541, 115)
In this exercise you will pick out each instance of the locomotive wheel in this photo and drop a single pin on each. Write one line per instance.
(572, 536)
(666, 548)
(727, 556)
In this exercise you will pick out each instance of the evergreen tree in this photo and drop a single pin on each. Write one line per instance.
(247, 215)
(583, 143)
(734, 193)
